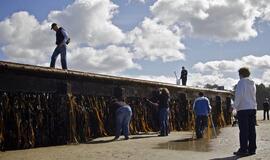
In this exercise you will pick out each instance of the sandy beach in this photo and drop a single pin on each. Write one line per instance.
(178, 145)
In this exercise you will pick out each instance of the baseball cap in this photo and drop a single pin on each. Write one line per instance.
(54, 24)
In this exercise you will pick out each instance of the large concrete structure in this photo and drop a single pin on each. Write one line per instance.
(41, 106)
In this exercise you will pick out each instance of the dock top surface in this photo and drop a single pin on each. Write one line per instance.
(59, 73)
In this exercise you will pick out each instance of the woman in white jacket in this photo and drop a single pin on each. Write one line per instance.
(246, 106)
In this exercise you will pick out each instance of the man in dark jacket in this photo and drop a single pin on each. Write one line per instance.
(184, 74)
(61, 41)
(266, 109)
(163, 104)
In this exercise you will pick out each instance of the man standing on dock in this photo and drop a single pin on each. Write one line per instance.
(183, 76)
(61, 41)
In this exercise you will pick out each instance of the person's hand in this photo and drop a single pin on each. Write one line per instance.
(146, 100)
(68, 40)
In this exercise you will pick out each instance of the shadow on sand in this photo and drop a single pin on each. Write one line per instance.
(93, 141)
(227, 158)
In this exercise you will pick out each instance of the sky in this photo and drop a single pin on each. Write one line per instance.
(144, 39)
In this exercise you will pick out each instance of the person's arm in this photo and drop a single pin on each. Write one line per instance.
(194, 105)
(152, 103)
(209, 105)
(254, 88)
(238, 95)
(66, 38)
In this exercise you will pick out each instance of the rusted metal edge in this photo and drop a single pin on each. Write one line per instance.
(42, 71)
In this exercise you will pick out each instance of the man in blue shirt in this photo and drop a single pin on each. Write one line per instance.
(201, 108)
(61, 41)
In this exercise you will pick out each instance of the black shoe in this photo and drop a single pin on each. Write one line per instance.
(116, 138)
(126, 138)
(199, 136)
(251, 153)
(238, 153)
(161, 135)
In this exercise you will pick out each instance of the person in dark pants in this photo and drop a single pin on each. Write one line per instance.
(246, 106)
(183, 76)
(122, 113)
(201, 108)
(61, 41)
(266, 109)
(164, 110)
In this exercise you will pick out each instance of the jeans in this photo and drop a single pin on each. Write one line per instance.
(123, 116)
(200, 125)
(265, 112)
(164, 121)
(184, 81)
(247, 135)
(59, 50)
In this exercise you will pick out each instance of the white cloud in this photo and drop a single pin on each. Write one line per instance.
(160, 78)
(200, 80)
(152, 40)
(265, 78)
(220, 20)
(95, 40)
(259, 66)
(24, 39)
(109, 60)
(250, 61)
(223, 65)
(89, 21)
(263, 6)
(171, 11)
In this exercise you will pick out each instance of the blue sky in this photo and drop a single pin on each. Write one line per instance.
(147, 39)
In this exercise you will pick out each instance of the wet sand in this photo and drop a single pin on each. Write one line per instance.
(178, 145)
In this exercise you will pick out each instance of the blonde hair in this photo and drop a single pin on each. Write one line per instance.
(165, 91)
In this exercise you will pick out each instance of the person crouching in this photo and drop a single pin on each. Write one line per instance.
(123, 114)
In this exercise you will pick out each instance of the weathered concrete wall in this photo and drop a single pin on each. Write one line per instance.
(41, 106)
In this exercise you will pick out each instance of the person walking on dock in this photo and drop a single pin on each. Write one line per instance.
(246, 106)
(183, 76)
(62, 40)
(201, 108)
(266, 109)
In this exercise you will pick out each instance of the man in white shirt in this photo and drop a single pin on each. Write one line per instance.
(246, 106)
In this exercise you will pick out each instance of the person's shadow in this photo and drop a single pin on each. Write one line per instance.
(113, 140)
(100, 141)
(227, 158)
